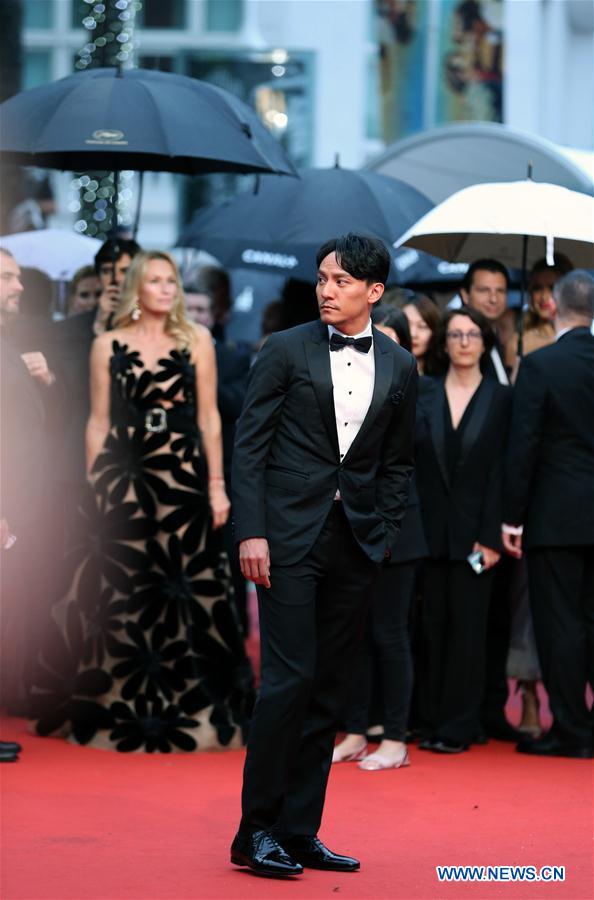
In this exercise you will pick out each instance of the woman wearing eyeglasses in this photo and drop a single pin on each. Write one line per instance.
(462, 425)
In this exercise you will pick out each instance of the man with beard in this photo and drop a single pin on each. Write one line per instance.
(23, 488)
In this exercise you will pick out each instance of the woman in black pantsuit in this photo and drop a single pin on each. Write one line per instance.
(461, 431)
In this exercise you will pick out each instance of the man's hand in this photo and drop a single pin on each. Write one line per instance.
(109, 299)
(512, 544)
(490, 557)
(38, 368)
(254, 559)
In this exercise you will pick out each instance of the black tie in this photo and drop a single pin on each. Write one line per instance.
(362, 344)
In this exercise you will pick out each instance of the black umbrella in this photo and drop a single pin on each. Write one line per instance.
(145, 120)
(417, 269)
(279, 228)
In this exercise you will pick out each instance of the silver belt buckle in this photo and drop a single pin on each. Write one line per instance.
(155, 419)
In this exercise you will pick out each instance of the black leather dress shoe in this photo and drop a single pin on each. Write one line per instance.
(444, 745)
(10, 747)
(261, 852)
(8, 756)
(426, 743)
(311, 853)
(551, 745)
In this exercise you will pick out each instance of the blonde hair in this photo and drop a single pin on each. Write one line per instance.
(177, 325)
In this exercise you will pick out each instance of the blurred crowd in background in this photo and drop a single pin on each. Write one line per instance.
(451, 619)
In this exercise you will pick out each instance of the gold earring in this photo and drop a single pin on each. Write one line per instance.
(136, 312)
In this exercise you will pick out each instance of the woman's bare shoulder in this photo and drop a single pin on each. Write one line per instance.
(202, 339)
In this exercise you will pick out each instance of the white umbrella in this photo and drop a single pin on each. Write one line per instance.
(57, 253)
(502, 220)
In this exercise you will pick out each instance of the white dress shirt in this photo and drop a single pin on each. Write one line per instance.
(353, 378)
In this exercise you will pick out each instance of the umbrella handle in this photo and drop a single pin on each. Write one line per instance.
(138, 204)
(522, 297)
(114, 215)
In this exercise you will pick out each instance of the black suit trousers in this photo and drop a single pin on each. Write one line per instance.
(387, 648)
(311, 620)
(454, 626)
(561, 581)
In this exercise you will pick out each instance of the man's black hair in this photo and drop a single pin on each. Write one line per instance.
(113, 249)
(484, 265)
(363, 257)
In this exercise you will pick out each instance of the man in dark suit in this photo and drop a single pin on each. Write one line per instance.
(323, 459)
(550, 492)
(485, 288)
(23, 512)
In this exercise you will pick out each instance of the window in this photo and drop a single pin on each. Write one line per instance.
(39, 13)
(161, 63)
(372, 105)
(37, 66)
(224, 15)
(160, 14)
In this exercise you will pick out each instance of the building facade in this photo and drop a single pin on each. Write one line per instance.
(340, 77)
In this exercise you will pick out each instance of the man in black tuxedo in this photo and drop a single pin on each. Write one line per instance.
(323, 459)
(550, 492)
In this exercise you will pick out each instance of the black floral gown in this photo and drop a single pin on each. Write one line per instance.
(144, 651)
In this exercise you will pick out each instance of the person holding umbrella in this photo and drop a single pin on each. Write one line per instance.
(111, 264)
(484, 288)
(538, 330)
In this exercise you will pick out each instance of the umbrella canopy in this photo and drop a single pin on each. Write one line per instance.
(446, 159)
(494, 219)
(57, 253)
(280, 228)
(138, 119)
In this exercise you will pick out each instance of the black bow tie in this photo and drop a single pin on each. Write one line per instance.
(362, 344)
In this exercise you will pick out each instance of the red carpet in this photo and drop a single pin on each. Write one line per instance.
(80, 823)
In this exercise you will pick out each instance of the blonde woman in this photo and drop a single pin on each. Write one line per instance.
(153, 658)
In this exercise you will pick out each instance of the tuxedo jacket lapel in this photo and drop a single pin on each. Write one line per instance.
(477, 418)
(381, 386)
(437, 427)
(318, 361)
